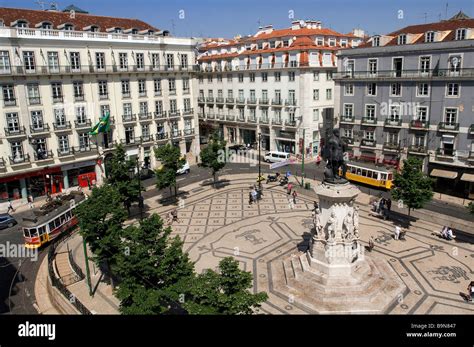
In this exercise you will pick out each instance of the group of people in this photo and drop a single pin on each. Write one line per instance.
(447, 233)
(292, 194)
(254, 195)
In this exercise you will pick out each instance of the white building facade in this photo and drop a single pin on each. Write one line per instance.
(277, 83)
(61, 72)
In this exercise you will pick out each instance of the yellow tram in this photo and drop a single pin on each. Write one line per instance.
(373, 176)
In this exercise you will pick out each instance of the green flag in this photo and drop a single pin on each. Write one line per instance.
(103, 126)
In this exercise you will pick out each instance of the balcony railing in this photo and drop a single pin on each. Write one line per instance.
(146, 138)
(264, 101)
(188, 112)
(65, 152)
(252, 101)
(174, 114)
(220, 116)
(87, 123)
(17, 131)
(277, 102)
(47, 155)
(230, 117)
(471, 156)
(447, 153)
(407, 74)
(210, 99)
(188, 132)
(290, 102)
(252, 119)
(220, 100)
(419, 124)
(103, 96)
(172, 92)
(34, 100)
(277, 122)
(211, 116)
(371, 121)
(161, 136)
(392, 146)
(160, 115)
(290, 123)
(240, 100)
(78, 97)
(347, 119)
(175, 133)
(9, 102)
(145, 116)
(393, 122)
(348, 140)
(443, 126)
(241, 118)
(128, 118)
(368, 143)
(130, 141)
(264, 120)
(201, 99)
(84, 148)
(20, 159)
(126, 95)
(40, 129)
(62, 126)
(230, 100)
(58, 99)
(417, 149)
(201, 115)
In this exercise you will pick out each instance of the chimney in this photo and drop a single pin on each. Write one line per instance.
(318, 24)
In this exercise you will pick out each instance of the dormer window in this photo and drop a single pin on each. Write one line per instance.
(343, 43)
(46, 25)
(94, 29)
(320, 41)
(2, 24)
(430, 36)
(286, 43)
(461, 34)
(376, 41)
(272, 44)
(402, 39)
(332, 42)
(260, 45)
(69, 27)
(21, 24)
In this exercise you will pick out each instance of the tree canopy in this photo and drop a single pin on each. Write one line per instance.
(211, 156)
(171, 161)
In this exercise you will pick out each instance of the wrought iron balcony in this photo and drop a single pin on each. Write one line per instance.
(417, 149)
(348, 140)
(368, 143)
(390, 146)
(65, 152)
(252, 120)
(62, 126)
(201, 99)
(252, 101)
(175, 133)
(210, 99)
(58, 99)
(277, 122)
(161, 136)
(174, 114)
(277, 102)
(87, 123)
(47, 155)
(230, 100)
(39, 129)
(19, 159)
(146, 138)
(419, 125)
(188, 112)
(370, 121)
(145, 116)
(9, 102)
(290, 102)
(264, 120)
(240, 100)
(230, 117)
(188, 132)
(15, 131)
(396, 123)
(446, 153)
(290, 123)
(129, 118)
(220, 100)
(84, 149)
(264, 101)
(449, 127)
(201, 115)
(347, 119)
(35, 100)
(160, 115)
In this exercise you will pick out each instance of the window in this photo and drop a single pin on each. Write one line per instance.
(33, 93)
(173, 106)
(292, 97)
(394, 113)
(329, 94)
(127, 111)
(13, 122)
(451, 116)
(369, 135)
(68, 27)
(125, 88)
(370, 112)
(59, 117)
(142, 87)
(21, 24)
(100, 60)
(37, 120)
(78, 88)
(123, 61)
(392, 138)
(143, 106)
(320, 41)
(423, 89)
(84, 141)
(315, 76)
(229, 78)
(140, 61)
(155, 60)
(419, 140)
(4, 62)
(241, 77)
(291, 76)
(425, 64)
(158, 107)
(104, 110)
(422, 113)
(277, 76)
(402, 39)
(396, 89)
(17, 152)
(9, 95)
(286, 43)
(53, 61)
(219, 78)
(75, 61)
(348, 89)
(315, 94)
(145, 131)
(264, 77)
(186, 88)
(348, 111)
(172, 85)
(63, 144)
(429, 36)
(452, 89)
(347, 133)
(81, 117)
(184, 61)
(328, 75)
(376, 41)
(57, 91)
(371, 89)
(209, 78)
(461, 34)
(315, 114)
(252, 77)
(29, 61)
(187, 105)
(373, 66)
(157, 86)
(170, 61)
(103, 90)
(455, 64)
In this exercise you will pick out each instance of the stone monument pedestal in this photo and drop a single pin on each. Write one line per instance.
(335, 275)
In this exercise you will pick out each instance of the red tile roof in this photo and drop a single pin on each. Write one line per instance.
(299, 32)
(80, 21)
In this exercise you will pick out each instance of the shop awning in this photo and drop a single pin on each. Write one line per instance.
(467, 177)
(444, 174)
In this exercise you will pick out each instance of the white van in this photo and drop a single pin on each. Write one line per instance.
(276, 157)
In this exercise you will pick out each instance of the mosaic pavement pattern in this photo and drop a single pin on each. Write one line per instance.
(224, 224)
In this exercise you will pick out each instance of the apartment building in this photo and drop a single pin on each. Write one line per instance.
(410, 93)
(277, 83)
(60, 72)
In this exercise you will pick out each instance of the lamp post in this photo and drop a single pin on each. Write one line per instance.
(259, 161)
(302, 162)
(140, 199)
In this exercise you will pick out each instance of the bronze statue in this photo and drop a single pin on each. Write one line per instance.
(334, 154)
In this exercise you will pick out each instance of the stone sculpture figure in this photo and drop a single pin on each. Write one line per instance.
(348, 226)
(355, 221)
(318, 227)
(331, 226)
(334, 154)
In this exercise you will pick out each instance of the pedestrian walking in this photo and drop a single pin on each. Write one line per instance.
(254, 195)
(10, 207)
(470, 291)
(289, 188)
(295, 194)
(397, 232)
(389, 204)
(30, 201)
(250, 198)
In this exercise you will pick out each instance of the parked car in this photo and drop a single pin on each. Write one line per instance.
(238, 148)
(7, 221)
(276, 157)
(184, 170)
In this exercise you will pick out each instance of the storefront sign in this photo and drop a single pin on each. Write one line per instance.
(78, 165)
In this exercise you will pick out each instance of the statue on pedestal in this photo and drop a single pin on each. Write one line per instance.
(355, 221)
(331, 227)
(334, 154)
(318, 227)
(348, 226)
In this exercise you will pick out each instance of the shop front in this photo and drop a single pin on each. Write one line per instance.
(452, 180)
(80, 174)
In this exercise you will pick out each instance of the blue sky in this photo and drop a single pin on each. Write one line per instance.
(222, 18)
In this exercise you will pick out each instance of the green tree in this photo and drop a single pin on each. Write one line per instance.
(470, 207)
(152, 268)
(101, 219)
(411, 185)
(223, 292)
(171, 161)
(120, 176)
(213, 156)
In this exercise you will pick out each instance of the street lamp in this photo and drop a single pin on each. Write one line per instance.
(140, 198)
(259, 162)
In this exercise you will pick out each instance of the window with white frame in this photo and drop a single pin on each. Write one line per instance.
(17, 151)
(264, 76)
(104, 110)
(451, 115)
(277, 76)
(184, 61)
(252, 77)
(157, 86)
(159, 107)
(315, 76)
(37, 122)
(81, 117)
(315, 94)
(59, 117)
(422, 113)
(348, 89)
(452, 90)
(125, 88)
(53, 61)
(376, 41)
(100, 60)
(371, 89)
(63, 144)
(75, 61)
(32, 90)
(373, 66)
(396, 89)
(5, 62)
(170, 60)
(394, 115)
(123, 61)
(172, 85)
(57, 91)
(103, 89)
(402, 39)
(140, 61)
(392, 137)
(155, 60)
(369, 135)
(370, 112)
(240, 77)
(142, 87)
(143, 107)
(13, 122)
(348, 111)
(460, 34)
(78, 89)
(187, 105)
(29, 61)
(329, 94)
(173, 106)
(423, 89)
(84, 141)
(429, 36)
(425, 64)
